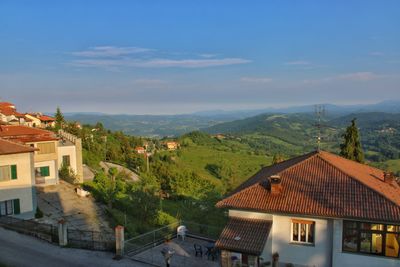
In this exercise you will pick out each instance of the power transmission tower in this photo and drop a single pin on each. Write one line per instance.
(319, 113)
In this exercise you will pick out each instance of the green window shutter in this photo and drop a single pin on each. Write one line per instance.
(17, 209)
(45, 171)
(13, 172)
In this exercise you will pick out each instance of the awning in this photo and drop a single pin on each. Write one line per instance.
(244, 235)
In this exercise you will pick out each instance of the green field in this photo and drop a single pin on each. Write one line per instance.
(243, 163)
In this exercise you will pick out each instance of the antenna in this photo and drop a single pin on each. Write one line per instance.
(319, 113)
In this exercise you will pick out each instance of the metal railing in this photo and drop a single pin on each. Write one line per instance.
(93, 240)
(47, 232)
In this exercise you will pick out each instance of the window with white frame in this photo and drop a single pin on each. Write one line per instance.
(8, 172)
(303, 231)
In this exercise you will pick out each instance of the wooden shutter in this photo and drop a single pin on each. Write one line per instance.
(13, 172)
(17, 209)
(44, 171)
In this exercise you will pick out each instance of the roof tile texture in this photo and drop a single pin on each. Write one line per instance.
(321, 184)
(250, 234)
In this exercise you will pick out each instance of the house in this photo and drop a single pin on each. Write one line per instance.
(41, 121)
(140, 150)
(317, 209)
(171, 145)
(52, 151)
(17, 180)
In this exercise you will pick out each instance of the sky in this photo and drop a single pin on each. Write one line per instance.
(167, 57)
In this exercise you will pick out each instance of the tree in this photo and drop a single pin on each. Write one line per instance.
(60, 120)
(277, 158)
(351, 148)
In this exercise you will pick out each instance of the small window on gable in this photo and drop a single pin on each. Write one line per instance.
(303, 231)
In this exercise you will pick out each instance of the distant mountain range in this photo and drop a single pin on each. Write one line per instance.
(174, 125)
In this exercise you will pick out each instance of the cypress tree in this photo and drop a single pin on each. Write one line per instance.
(351, 148)
(59, 119)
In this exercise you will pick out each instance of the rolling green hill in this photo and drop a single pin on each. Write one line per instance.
(291, 134)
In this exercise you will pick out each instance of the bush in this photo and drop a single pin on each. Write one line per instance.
(67, 174)
(163, 218)
(39, 213)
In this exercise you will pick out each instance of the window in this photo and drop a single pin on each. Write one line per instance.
(371, 238)
(46, 148)
(66, 161)
(8, 172)
(303, 231)
(42, 171)
(9, 207)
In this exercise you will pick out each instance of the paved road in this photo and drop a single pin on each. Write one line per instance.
(107, 165)
(17, 250)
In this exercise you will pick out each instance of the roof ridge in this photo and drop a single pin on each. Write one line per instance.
(355, 179)
(349, 160)
(307, 156)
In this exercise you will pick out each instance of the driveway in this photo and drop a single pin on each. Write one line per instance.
(17, 250)
(61, 201)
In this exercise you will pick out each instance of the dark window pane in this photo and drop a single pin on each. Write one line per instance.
(310, 233)
(365, 242)
(365, 226)
(350, 224)
(295, 232)
(350, 240)
(392, 245)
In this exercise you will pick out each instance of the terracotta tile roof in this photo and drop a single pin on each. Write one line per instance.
(25, 134)
(46, 118)
(321, 184)
(8, 147)
(7, 111)
(244, 235)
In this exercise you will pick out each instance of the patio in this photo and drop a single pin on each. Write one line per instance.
(184, 254)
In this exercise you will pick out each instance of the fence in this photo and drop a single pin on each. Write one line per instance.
(47, 232)
(92, 240)
(150, 239)
(154, 238)
(147, 247)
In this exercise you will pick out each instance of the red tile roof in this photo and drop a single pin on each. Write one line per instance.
(244, 235)
(46, 118)
(25, 134)
(320, 184)
(8, 147)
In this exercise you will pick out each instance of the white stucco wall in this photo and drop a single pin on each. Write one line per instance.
(67, 151)
(21, 188)
(340, 258)
(53, 178)
(318, 255)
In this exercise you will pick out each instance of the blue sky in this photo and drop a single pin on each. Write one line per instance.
(183, 56)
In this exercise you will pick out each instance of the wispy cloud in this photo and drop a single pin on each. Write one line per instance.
(111, 58)
(150, 82)
(159, 63)
(256, 79)
(376, 53)
(360, 76)
(110, 51)
(354, 76)
(297, 62)
(208, 55)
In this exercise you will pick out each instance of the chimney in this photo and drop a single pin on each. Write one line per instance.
(276, 187)
(388, 177)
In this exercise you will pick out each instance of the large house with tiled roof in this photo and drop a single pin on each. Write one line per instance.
(17, 180)
(318, 209)
(53, 151)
